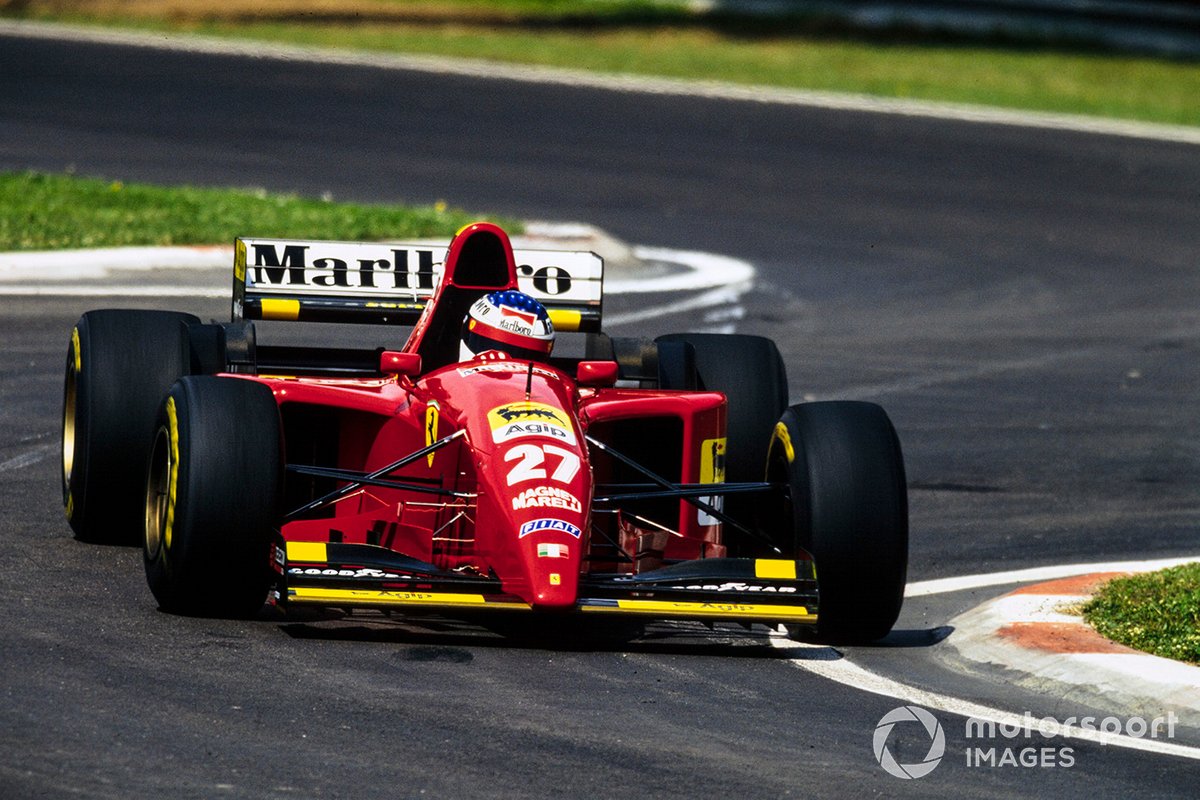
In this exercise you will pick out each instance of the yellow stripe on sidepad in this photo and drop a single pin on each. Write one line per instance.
(709, 610)
(239, 260)
(565, 319)
(274, 308)
(776, 568)
(313, 594)
(307, 552)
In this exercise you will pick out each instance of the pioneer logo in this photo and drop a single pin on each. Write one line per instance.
(297, 265)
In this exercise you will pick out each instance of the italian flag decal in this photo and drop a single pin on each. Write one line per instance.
(552, 551)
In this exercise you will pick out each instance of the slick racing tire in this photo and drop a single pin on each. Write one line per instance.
(751, 374)
(212, 497)
(846, 503)
(120, 364)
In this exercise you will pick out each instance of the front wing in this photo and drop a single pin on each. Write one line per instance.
(339, 575)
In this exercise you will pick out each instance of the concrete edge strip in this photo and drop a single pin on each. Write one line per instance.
(491, 70)
(88, 263)
(1037, 630)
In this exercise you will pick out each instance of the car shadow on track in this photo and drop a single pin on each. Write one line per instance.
(434, 634)
(443, 639)
(914, 637)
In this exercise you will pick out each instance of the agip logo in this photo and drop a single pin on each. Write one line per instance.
(526, 418)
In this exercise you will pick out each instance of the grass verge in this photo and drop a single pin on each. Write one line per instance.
(44, 212)
(640, 37)
(1156, 612)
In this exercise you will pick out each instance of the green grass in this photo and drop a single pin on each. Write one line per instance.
(1157, 612)
(632, 36)
(43, 212)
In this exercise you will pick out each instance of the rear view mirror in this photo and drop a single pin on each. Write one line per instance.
(597, 373)
(392, 362)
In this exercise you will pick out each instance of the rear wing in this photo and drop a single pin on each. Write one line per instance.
(365, 282)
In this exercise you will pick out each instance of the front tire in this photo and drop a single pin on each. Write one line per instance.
(751, 374)
(212, 497)
(120, 364)
(846, 504)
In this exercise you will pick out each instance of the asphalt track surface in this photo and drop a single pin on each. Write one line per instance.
(1022, 302)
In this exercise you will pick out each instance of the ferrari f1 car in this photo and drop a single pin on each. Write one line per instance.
(654, 479)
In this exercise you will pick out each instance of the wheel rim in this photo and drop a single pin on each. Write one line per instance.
(158, 493)
(70, 398)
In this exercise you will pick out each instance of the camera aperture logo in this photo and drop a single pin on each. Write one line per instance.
(932, 729)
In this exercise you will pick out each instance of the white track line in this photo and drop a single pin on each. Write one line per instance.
(847, 673)
(704, 271)
(946, 585)
(850, 674)
(491, 70)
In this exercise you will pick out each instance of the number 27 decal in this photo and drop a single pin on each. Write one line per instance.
(533, 457)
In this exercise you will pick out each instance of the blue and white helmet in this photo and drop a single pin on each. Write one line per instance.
(509, 321)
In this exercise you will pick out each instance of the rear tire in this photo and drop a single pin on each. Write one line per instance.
(120, 364)
(751, 374)
(212, 497)
(847, 506)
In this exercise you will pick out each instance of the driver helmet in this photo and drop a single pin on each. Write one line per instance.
(509, 321)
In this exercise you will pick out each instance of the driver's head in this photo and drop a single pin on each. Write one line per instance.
(510, 321)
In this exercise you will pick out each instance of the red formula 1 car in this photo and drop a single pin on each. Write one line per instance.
(662, 479)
